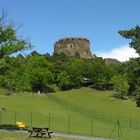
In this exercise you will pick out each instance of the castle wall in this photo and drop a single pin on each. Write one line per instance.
(73, 47)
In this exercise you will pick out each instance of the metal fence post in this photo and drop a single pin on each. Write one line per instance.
(91, 125)
(0, 117)
(49, 120)
(110, 120)
(68, 123)
(15, 117)
(31, 118)
(130, 123)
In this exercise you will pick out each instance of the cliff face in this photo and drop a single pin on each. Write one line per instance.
(73, 47)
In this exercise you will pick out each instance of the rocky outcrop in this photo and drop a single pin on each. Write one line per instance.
(111, 61)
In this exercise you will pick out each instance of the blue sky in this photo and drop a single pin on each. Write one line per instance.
(45, 21)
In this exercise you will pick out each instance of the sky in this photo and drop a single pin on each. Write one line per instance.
(43, 22)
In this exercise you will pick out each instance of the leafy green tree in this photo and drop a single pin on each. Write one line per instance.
(9, 41)
(131, 69)
(134, 35)
(40, 79)
(74, 70)
(12, 72)
(38, 61)
(64, 81)
(98, 73)
(39, 73)
(137, 92)
(120, 86)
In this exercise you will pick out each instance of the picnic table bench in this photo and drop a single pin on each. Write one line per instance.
(40, 132)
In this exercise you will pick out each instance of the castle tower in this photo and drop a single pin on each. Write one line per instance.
(73, 47)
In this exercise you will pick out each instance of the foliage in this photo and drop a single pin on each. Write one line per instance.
(137, 92)
(39, 73)
(35, 72)
(101, 74)
(134, 35)
(64, 81)
(9, 41)
(132, 67)
(120, 86)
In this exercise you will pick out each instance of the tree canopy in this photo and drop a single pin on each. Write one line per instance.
(134, 35)
(9, 41)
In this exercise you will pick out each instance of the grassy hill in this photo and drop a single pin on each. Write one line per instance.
(80, 111)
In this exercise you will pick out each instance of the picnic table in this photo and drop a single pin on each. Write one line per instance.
(40, 132)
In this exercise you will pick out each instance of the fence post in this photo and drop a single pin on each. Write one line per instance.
(49, 120)
(91, 125)
(130, 122)
(31, 118)
(94, 114)
(110, 120)
(15, 117)
(68, 123)
(0, 117)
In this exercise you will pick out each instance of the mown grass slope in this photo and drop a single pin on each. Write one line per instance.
(81, 111)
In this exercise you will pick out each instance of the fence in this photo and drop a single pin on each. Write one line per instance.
(97, 124)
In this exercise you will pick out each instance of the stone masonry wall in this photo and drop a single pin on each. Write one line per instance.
(73, 47)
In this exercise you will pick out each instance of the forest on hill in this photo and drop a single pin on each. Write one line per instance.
(40, 72)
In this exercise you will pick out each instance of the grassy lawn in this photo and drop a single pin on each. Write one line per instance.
(24, 136)
(81, 111)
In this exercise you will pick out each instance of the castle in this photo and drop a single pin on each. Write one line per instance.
(73, 47)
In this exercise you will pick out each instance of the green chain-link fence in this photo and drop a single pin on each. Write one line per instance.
(96, 124)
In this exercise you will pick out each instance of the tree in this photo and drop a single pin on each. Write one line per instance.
(40, 79)
(131, 69)
(74, 68)
(64, 81)
(120, 86)
(12, 73)
(134, 35)
(98, 73)
(9, 41)
(39, 73)
(137, 92)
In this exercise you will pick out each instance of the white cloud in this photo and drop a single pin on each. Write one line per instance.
(122, 53)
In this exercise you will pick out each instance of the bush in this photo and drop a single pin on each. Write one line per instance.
(8, 93)
(120, 86)
(137, 92)
(64, 81)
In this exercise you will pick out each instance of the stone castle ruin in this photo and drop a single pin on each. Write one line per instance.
(73, 47)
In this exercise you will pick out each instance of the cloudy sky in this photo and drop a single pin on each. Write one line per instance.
(46, 21)
(122, 53)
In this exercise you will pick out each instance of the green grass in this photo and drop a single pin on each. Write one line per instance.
(24, 136)
(81, 111)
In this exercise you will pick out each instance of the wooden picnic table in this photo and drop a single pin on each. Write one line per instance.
(40, 132)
